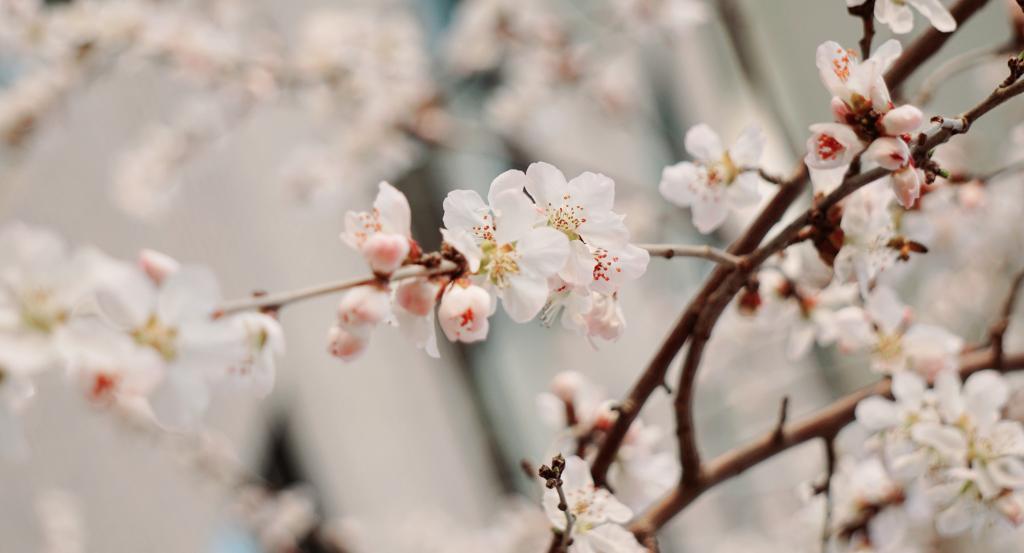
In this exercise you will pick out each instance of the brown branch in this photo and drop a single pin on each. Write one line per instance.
(783, 415)
(654, 374)
(668, 251)
(866, 13)
(274, 301)
(999, 329)
(822, 424)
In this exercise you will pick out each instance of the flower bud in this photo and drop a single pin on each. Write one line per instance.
(385, 252)
(417, 296)
(157, 265)
(888, 153)
(906, 184)
(364, 306)
(902, 120)
(463, 313)
(566, 385)
(345, 344)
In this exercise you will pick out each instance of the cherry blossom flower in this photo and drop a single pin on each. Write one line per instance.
(811, 314)
(717, 181)
(360, 310)
(382, 236)
(174, 320)
(597, 514)
(505, 249)
(107, 363)
(264, 339)
(898, 16)
(867, 122)
(601, 257)
(896, 343)
(867, 227)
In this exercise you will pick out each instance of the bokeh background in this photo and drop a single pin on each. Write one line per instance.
(396, 435)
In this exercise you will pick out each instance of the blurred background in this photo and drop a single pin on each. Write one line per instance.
(169, 148)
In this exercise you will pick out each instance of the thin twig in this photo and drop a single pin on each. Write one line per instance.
(952, 67)
(829, 443)
(281, 299)
(780, 425)
(668, 251)
(998, 332)
(866, 13)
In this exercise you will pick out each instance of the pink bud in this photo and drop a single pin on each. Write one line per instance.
(344, 344)
(839, 109)
(906, 183)
(566, 385)
(364, 306)
(902, 120)
(888, 153)
(417, 296)
(385, 252)
(157, 266)
(463, 313)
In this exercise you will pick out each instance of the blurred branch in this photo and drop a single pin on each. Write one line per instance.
(280, 299)
(866, 13)
(999, 329)
(669, 251)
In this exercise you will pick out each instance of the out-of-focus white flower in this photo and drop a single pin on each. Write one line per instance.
(382, 236)
(717, 181)
(899, 17)
(597, 515)
(264, 339)
(641, 16)
(174, 320)
(867, 227)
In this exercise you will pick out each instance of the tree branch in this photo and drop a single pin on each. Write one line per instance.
(668, 251)
(1003, 324)
(281, 299)
(866, 13)
(822, 424)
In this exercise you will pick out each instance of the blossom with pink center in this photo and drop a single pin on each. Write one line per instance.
(383, 235)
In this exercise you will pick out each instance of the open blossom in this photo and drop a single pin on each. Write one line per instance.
(601, 257)
(382, 236)
(868, 228)
(953, 440)
(811, 313)
(895, 341)
(174, 320)
(506, 250)
(597, 515)
(899, 17)
(718, 180)
(867, 122)
(264, 342)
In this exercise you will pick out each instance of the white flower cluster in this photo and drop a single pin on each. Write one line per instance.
(540, 243)
(145, 331)
(941, 462)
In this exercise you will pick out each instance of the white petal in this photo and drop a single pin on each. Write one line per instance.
(947, 440)
(703, 143)
(887, 152)
(127, 299)
(708, 216)
(611, 538)
(898, 17)
(939, 16)
(678, 183)
(524, 297)
(465, 210)
(181, 399)
(1007, 472)
(514, 216)
(192, 293)
(393, 209)
(509, 180)
(546, 184)
(543, 251)
(747, 150)
(594, 191)
(877, 413)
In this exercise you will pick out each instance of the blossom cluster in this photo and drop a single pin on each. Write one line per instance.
(940, 460)
(144, 333)
(541, 244)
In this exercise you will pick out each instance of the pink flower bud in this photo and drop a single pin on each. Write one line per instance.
(344, 344)
(566, 385)
(839, 109)
(906, 184)
(385, 252)
(157, 266)
(417, 296)
(888, 153)
(364, 306)
(902, 120)
(463, 313)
